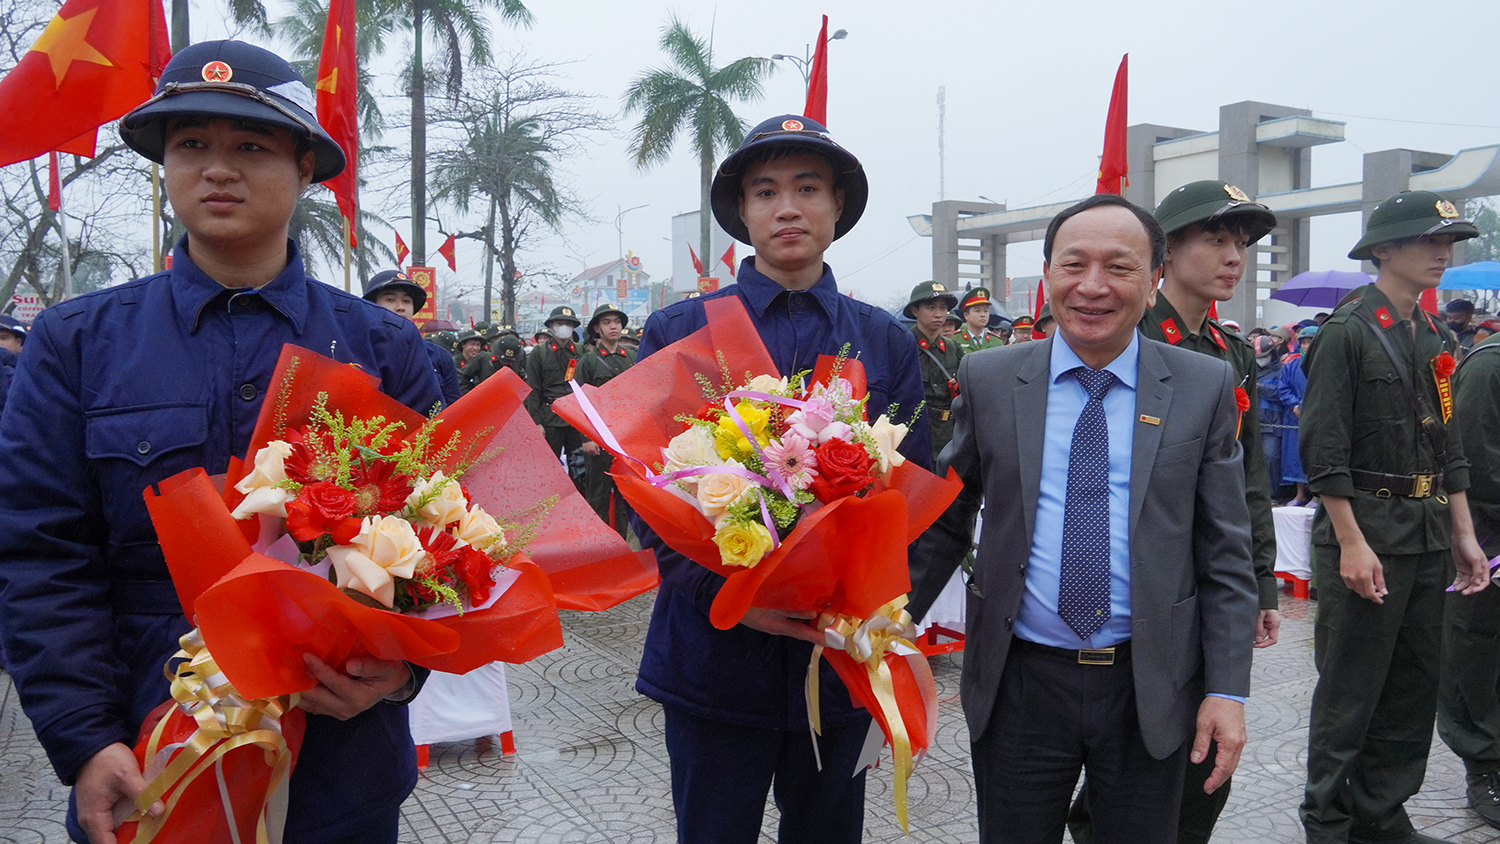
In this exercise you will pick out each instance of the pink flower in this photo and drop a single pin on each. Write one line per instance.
(812, 418)
(793, 458)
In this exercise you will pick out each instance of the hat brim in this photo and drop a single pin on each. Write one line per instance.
(848, 174)
(624, 317)
(909, 311)
(1257, 219)
(573, 321)
(1460, 229)
(144, 129)
(415, 291)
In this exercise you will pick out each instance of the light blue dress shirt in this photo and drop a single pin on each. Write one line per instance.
(1038, 620)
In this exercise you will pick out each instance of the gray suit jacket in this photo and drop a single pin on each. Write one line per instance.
(1193, 594)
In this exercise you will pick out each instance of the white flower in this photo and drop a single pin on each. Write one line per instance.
(444, 509)
(693, 447)
(479, 529)
(385, 548)
(719, 490)
(767, 384)
(261, 493)
(888, 438)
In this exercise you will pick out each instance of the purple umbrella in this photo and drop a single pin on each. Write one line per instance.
(1321, 288)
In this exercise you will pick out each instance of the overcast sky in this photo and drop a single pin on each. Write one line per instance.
(1028, 87)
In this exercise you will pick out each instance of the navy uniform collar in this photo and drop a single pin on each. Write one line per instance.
(192, 289)
(759, 291)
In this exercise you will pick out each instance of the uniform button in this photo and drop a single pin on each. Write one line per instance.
(1008, 623)
(1022, 568)
(247, 392)
(143, 447)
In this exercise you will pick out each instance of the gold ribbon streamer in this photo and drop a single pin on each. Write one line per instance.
(225, 722)
(867, 641)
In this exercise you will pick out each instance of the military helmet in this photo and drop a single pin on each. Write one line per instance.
(607, 308)
(235, 81)
(954, 318)
(509, 348)
(929, 290)
(1213, 200)
(395, 280)
(467, 335)
(797, 132)
(1411, 214)
(565, 314)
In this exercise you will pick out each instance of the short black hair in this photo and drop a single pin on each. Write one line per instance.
(1154, 234)
(1238, 224)
(776, 152)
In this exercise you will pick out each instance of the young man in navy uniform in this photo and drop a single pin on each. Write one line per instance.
(736, 724)
(106, 403)
(397, 293)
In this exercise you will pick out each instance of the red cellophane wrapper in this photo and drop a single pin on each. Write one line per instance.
(848, 557)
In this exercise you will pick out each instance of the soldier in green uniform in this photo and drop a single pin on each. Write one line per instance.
(549, 368)
(605, 359)
(1393, 522)
(1468, 702)
(508, 353)
(1020, 329)
(470, 360)
(929, 306)
(1210, 226)
(976, 334)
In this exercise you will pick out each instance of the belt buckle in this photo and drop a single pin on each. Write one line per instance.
(1096, 656)
(1422, 486)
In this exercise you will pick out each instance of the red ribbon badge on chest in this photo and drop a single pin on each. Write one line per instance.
(1442, 374)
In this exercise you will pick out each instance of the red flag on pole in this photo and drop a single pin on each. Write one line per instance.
(95, 60)
(337, 110)
(447, 251)
(697, 264)
(54, 182)
(1041, 299)
(401, 250)
(817, 81)
(728, 258)
(1113, 165)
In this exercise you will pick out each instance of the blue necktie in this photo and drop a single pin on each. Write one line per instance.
(1083, 594)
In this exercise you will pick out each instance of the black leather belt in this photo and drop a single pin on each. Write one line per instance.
(942, 415)
(1406, 486)
(1088, 656)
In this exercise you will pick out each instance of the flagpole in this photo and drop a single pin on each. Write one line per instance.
(67, 262)
(346, 255)
(155, 219)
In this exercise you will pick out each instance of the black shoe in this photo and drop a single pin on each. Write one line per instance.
(1484, 797)
(1412, 838)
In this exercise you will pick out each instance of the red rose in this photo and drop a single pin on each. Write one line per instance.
(710, 412)
(1444, 364)
(320, 508)
(844, 469)
(473, 568)
(1241, 399)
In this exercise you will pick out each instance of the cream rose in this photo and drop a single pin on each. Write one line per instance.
(479, 529)
(719, 490)
(446, 508)
(385, 548)
(888, 438)
(767, 384)
(693, 447)
(261, 493)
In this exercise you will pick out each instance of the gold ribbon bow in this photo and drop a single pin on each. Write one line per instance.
(867, 641)
(226, 722)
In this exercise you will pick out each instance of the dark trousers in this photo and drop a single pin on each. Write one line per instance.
(567, 441)
(722, 772)
(1373, 707)
(1195, 820)
(1054, 718)
(1469, 692)
(599, 490)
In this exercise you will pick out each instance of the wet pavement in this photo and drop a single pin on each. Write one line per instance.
(590, 766)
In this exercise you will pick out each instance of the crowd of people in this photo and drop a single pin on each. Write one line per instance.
(1126, 448)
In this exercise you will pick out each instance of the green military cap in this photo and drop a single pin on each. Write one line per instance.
(977, 296)
(929, 290)
(607, 308)
(563, 313)
(1045, 313)
(446, 339)
(470, 334)
(954, 318)
(1213, 200)
(1022, 321)
(492, 331)
(508, 347)
(1411, 214)
(541, 334)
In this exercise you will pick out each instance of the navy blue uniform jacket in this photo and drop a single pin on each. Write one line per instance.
(120, 389)
(740, 675)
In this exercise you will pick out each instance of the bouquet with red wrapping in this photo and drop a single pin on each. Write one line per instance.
(356, 528)
(787, 491)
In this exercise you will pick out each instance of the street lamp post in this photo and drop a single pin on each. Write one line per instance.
(804, 63)
(620, 232)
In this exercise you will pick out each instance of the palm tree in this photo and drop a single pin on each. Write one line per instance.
(509, 163)
(303, 30)
(318, 227)
(692, 96)
(458, 24)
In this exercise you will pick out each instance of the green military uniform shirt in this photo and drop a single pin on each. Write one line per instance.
(472, 372)
(1162, 322)
(1477, 412)
(939, 381)
(549, 367)
(596, 366)
(969, 343)
(1357, 415)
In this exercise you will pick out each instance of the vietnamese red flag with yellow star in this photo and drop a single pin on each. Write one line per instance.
(337, 109)
(96, 60)
(1112, 164)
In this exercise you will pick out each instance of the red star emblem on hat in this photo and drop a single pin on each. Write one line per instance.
(792, 125)
(217, 71)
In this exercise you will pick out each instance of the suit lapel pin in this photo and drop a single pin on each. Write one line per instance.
(1150, 420)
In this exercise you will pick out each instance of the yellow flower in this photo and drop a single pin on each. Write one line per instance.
(731, 441)
(742, 543)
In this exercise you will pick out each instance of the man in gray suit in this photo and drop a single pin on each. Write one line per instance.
(1113, 608)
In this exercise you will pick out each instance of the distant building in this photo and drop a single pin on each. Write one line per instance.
(621, 282)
